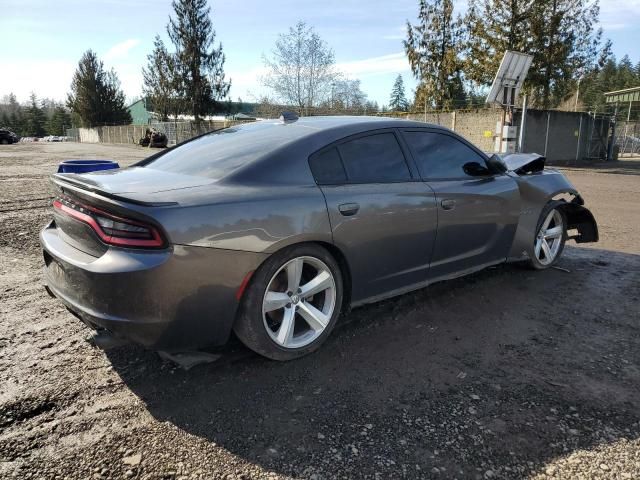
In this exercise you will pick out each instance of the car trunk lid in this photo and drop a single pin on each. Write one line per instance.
(87, 205)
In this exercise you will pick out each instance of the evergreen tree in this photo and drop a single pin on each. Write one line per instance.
(564, 44)
(372, 107)
(560, 34)
(201, 64)
(493, 27)
(162, 82)
(59, 121)
(398, 100)
(96, 97)
(35, 119)
(610, 77)
(13, 117)
(626, 75)
(433, 47)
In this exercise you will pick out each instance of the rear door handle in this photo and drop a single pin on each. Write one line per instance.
(448, 204)
(348, 209)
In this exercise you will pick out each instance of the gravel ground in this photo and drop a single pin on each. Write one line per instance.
(508, 373)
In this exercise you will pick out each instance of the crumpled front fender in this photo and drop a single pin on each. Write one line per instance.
(536, 190)
(581, 219)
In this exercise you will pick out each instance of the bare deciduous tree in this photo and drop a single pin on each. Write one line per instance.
(301, 68)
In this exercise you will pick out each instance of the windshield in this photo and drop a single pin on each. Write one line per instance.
(219, 153)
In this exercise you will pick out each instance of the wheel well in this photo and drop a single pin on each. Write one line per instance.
(344, 269)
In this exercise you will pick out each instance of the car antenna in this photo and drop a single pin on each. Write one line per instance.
(288, 117)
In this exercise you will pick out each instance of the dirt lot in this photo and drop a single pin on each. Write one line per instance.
(505, 374)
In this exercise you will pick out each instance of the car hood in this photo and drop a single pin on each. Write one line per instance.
(518, 162)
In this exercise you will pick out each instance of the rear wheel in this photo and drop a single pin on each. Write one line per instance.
(291, 304)
(550, 238)
(4, 141)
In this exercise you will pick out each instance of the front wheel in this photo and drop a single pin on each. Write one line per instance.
(550, 238)
(292, 303)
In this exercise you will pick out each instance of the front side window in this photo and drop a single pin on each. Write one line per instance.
(439, 155)
(375, 158)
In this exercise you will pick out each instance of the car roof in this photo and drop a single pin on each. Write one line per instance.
(286, 146)
(307, 134)
(362, 123)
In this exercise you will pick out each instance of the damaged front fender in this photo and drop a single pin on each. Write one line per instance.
(538, 189)
(580, 219)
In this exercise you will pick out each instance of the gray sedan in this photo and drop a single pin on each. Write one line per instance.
(272, 229)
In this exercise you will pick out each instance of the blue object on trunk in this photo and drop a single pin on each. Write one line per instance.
(84, 166)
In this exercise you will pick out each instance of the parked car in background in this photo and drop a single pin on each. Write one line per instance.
(272, 229)
(7, 137)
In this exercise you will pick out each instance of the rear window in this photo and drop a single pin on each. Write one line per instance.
(219, 153)
(327, 167)
(374, 159)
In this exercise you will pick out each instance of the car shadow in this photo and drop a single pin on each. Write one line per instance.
(505, 371)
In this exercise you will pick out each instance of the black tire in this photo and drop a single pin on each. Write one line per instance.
(4, 141)
(534, 262)
(249, 325)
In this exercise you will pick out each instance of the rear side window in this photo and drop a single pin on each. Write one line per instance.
(439, 155)
(327, 167)
(374, 159)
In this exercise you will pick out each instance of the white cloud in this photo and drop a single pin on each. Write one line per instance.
(398, 33)
(393, 63)
(246, 83)
(120, 50)
(619, 14)
(47, 78)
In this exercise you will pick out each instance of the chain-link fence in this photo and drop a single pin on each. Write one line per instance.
(628, 138)
(560, 136)
(176, 131)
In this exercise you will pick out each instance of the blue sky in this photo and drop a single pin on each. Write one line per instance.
(43, 39)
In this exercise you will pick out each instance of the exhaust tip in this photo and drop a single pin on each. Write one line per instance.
(106, 340)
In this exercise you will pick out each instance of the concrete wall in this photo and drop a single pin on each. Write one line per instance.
(560, 136)
(477, 126)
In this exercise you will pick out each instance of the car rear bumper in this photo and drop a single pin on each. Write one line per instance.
(180, 298)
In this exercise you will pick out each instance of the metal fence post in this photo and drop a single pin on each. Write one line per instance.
(546, 136)
(579, 137)
(523, 121)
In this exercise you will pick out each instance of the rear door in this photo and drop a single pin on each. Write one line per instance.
(477, 215)
(382, 216)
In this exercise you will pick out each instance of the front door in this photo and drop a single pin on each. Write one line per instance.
(477, 215)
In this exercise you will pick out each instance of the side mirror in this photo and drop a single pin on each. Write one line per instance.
(474, 169)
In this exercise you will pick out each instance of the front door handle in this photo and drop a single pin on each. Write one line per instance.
(349, 209)
(448, 204)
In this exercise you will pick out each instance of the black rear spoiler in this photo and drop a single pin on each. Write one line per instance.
(66, 181)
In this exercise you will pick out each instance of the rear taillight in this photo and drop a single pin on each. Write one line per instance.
(112, 229)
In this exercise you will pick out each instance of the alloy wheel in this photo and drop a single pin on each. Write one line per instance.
(299, 302)
(549, 237)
